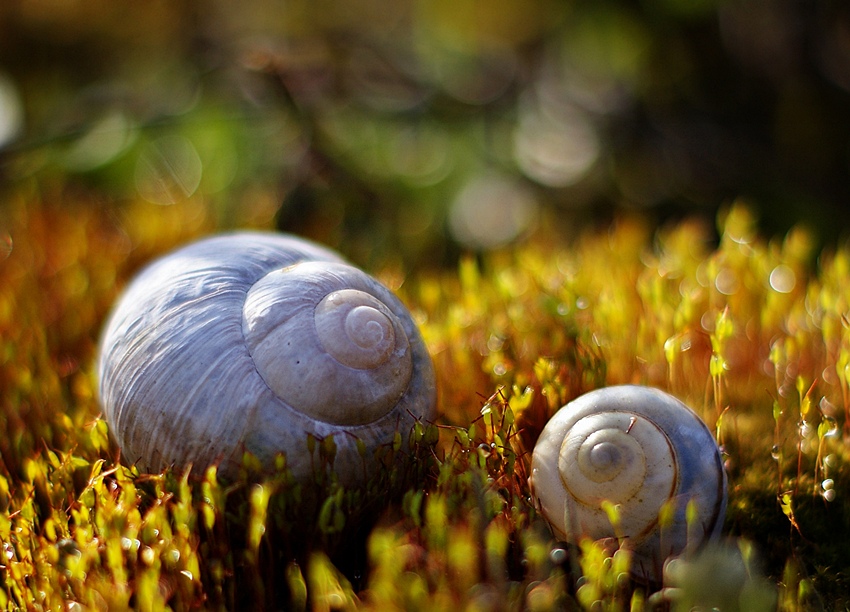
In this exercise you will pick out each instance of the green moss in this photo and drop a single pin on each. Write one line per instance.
(751, 332)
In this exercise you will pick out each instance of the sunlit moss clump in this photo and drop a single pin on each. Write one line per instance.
(752, 332)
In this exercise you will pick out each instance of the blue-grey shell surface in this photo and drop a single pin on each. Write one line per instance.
(179, 385)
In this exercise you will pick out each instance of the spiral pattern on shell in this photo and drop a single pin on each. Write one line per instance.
(641, 450)
(249, 342)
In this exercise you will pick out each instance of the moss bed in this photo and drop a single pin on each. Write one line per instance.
(753, 332)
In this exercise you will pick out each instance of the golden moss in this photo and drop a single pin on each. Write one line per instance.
(753, 333)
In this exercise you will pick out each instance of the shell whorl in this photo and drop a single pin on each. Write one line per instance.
(337, 353)
(640, 449)
(604, 457)
(250, 342)
(355, 329)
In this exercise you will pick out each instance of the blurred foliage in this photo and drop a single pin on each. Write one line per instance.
(404, 129)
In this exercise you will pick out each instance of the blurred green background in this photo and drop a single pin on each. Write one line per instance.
(414, 130)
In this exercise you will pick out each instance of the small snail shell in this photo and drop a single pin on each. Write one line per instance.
(640, 449)
(250, 342)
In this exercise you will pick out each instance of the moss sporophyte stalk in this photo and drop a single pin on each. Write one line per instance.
(751, 331)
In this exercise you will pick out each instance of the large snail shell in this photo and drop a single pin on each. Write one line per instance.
(250, 342)
(642, 450)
